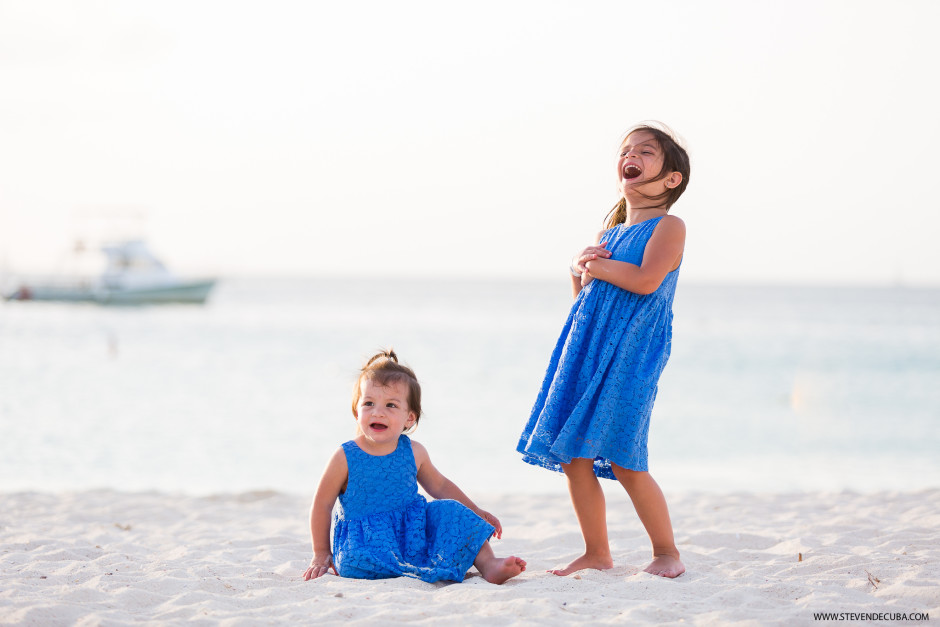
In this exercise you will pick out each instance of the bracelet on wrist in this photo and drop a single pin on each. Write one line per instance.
(576, 275)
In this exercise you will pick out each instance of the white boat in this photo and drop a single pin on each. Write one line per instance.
(132, 275)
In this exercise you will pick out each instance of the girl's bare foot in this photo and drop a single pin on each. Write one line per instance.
(500, 569)
(597, 562)
(665, 566)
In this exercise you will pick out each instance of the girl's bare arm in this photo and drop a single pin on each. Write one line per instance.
(597, 251)
(440, 487)
(331, 484)
(662, 256)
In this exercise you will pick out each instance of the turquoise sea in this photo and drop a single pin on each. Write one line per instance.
(768, 388)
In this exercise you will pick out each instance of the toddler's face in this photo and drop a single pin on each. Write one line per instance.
(382, 412)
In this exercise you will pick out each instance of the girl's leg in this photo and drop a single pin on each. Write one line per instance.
(651, 507)
(497, 569)
(587, 496)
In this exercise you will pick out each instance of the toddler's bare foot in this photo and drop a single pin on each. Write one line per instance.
(665, 566)
(597, 562)
(500, 569)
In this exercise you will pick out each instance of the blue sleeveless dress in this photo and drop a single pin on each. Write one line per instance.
(383, 528)
(597, 396)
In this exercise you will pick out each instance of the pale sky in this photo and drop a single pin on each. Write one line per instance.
(472, 138)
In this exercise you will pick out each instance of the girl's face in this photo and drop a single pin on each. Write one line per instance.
(382, 412)
(640, 161)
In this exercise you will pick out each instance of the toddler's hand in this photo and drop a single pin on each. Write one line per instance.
(493, 520)
(321, 565)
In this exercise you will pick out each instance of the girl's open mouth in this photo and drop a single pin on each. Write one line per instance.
(631, 172)
(378, 427)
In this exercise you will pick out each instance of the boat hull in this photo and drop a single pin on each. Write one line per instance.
(195, 292)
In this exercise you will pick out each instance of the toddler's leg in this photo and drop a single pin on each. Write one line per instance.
(497, 569)
(587, 496)
(651, 507)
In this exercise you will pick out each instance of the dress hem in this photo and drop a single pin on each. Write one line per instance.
(602, 465)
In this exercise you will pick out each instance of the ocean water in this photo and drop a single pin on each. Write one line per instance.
(768, 388)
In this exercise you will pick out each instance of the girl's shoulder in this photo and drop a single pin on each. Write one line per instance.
(672, 221)
(417, 449)
(336, 472)
(670, 226)
(338, 459)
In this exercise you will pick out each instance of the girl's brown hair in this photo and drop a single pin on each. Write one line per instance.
(675, 159)
(383, 368)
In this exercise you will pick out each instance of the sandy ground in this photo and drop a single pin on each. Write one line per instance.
(104, 557)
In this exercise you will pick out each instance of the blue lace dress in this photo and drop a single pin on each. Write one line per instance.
(383, 528)
(598, 392)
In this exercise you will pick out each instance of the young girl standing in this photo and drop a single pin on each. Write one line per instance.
(591, 417)
(383, 527)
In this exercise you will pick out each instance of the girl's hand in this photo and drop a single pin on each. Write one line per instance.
(586, 277)
(588, 254)
(493, 520)
(321, 565)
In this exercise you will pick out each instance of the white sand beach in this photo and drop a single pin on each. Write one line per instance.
(106, 557)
